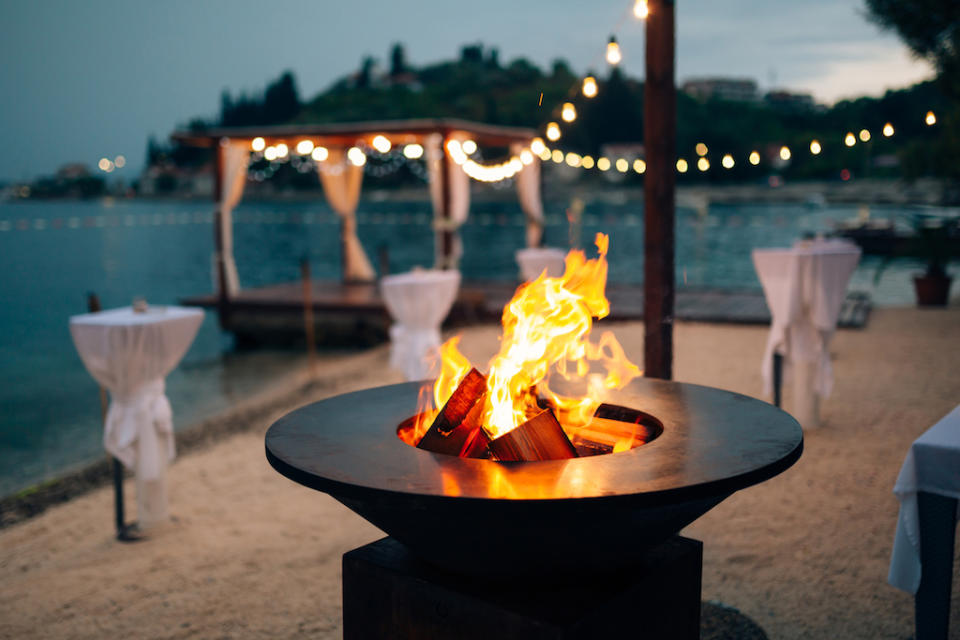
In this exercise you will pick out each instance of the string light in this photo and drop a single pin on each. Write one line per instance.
(282, 150)
(526, 157)
(537, 146)
(469, 147)
(727, 161)
(622, 165)
(589, 87)
(381, 144)
(930, 119)
(569, 113)
(784, 153)
(258, 144)
(573, 159)
(356, 157)
(587, 162)
(703, 164)
(815, 147)
(557, 156)
(413, 151)
(613, 52)
(119, 162)
(603, 163)
(849, 139)
(682, 165)
(754, 158)
(545, 154)
(864, 135)
(641, 9)
(270, 154)
(639, 165)
(887, 130)
(553, 131)
(319, 154)
(304, 147)
(701, 149)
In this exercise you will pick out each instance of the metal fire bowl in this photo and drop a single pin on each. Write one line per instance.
(581, 516)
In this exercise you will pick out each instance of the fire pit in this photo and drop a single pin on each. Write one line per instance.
(590, 514)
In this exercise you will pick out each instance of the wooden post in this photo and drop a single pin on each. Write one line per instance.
(446, 236)
(660, 140)
(218, 230)
(308, 316)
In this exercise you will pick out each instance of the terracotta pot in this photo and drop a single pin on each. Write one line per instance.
(932, 290)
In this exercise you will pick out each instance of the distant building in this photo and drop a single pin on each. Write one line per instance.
(73, 171)
(730, 89)
(789, 101)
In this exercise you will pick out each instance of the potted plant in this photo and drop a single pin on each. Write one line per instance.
(935, 240)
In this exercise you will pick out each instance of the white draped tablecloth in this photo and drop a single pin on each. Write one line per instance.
(932, 465)
(130, 354)
(805, 287)
(418, 302)
(534, 260)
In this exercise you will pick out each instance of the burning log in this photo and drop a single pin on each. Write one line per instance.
(539, 438)
(452, 432)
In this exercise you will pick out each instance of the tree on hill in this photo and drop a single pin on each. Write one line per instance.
(398, 60)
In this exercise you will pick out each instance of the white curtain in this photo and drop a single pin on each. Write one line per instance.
(233, 167)
(341, 182)
(528, 190)
(459, 184)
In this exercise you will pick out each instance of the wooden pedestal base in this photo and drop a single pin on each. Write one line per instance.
(388, 593)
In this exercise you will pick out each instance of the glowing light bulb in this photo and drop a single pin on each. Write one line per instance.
(553, 131)
(815, 147)
(931, 119)
(639, 166)
(703, 164)
(270, 153)
(587, 162)
(381, 144)
(469, 146)
(573, 159)
(613, 52)
(545, 154)
(641, 9)
(282, 150)
(887, 130)
(304, 147)
(682, 165)
(557, 156)
(849, 139)
(105, 165)
(356, 156)
(622, 165)
(701, 149)
(754, 158)
(119, 162)
(864, 135)
(590, 87)
(727, 161)
(258, 144)
(537, 146)
(526, 157)
(319, 154)
(784, 152)
(413, 151)
(603, 164)
(569, 112)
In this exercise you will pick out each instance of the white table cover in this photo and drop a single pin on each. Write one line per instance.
(534, 260)
(932, 465)
(418, 301)
(804, 287)
(130, 354)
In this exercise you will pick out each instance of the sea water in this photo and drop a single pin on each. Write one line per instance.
(53, 253)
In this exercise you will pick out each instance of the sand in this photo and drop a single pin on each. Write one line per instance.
(250, 554)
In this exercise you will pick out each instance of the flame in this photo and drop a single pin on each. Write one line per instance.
(546, 329)
(453, 367)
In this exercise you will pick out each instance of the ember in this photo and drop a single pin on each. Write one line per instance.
(513, 413)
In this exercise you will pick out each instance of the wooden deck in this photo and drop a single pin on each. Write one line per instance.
(340, 309)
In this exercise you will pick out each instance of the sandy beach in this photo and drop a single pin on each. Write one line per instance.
(250, 554)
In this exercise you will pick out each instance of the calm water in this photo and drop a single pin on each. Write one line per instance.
(53, 253)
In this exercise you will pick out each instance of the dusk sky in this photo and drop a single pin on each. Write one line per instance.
(81, 80)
